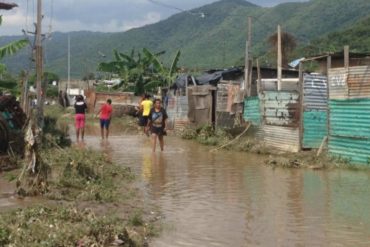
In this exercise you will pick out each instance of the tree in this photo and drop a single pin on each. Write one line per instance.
(288, 44)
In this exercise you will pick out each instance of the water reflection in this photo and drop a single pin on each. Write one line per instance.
(231, 199)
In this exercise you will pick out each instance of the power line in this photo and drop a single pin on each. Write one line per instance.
(166, 5)
(201, 14)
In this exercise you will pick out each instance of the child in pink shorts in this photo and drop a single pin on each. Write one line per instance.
(80, 109)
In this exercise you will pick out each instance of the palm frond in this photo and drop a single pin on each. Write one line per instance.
(173, 67)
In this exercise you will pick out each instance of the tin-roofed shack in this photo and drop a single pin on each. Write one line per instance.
(338, 60)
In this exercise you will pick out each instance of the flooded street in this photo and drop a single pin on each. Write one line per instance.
(231, 199)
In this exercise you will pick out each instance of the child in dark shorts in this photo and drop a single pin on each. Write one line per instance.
(157, 123)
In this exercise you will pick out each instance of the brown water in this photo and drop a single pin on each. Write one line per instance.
(231, 199)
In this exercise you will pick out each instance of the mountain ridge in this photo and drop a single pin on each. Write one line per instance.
(217, 40)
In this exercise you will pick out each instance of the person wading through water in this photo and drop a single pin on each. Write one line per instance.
(105, 117)
(80, 110)
(157, 122)
(145, 107)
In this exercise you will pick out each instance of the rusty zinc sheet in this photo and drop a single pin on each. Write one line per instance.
(280, 108)
(359, 82)
(177, 111)
(222, 97)
(337, 79)
(200, 104)
(280, 138)
(280, 120)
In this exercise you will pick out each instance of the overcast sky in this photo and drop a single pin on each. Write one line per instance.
(98, 15)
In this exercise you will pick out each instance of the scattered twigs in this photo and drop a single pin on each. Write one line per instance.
(324, 141)
(233, 140)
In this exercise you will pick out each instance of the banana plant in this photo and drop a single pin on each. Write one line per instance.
(164, 74)
(13, 47)
(144, 70)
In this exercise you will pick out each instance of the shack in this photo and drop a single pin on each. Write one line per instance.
(337, 60)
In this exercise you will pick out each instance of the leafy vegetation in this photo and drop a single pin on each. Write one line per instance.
(141, 72)
(357, 36)
(66, 226)
(12, 47)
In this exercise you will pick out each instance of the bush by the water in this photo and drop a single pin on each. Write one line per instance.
(86, 175)
(64, 226)
(206, 135)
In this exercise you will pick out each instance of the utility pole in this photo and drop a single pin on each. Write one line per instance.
(279, 59)
(248, 67)
(69, 63)
(40, 103)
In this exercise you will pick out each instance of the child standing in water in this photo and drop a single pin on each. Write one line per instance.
(145, 107)
(157, 123)
(105, 117)
(80, 110)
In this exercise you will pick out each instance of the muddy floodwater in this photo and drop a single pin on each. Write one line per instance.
(231, 199)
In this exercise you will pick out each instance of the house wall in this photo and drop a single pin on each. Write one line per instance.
(123, 103)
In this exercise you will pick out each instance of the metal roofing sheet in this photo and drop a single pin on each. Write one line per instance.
(252, 110)
(315, 92)
(356, 151)
(280, 108)
(315, 128)
(337, 79)
(177, 109)
(222, 97)
(359, 82)
(280, 138)
(350, 118)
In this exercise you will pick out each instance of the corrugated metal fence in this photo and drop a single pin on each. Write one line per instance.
(315, 126)
(277, 115)
(177, 110)
(349, 130)
(280, 117)
(252, 111)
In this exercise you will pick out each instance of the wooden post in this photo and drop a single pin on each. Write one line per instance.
(301, 97)
(69, 64)
(328, 65)
(279, 59)
(40, 102)
(258, 77)
(248, 67)
(328, 96)
(346, 56)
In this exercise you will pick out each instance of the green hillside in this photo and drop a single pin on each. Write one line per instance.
(357, 36)
(218, 40)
